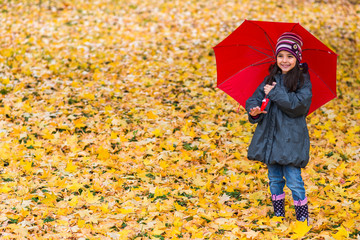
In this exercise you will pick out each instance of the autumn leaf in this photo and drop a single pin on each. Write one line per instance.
(70, 167)
(341, 234)
(103, 153)
(49, 199)
(151, 115)
(300, 229)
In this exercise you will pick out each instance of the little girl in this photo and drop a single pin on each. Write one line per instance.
(281, 138)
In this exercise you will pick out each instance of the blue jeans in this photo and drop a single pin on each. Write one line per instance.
(293, 180)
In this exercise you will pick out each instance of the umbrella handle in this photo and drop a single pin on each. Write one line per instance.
(264, 103)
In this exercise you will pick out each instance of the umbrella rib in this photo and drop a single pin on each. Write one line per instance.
(259, 51)
(252, 47)
(267, 37)
(294, 27)
(252, 65)
(314, 49)
(260, 62)
(232, 45)
(322, 81)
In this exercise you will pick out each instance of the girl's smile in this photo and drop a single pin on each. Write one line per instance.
(286, 61)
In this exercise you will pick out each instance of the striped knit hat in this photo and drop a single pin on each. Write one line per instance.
(290, 42)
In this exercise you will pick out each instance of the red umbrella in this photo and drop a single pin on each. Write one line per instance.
(243, 59)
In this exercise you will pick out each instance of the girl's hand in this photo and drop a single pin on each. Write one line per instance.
(268, 88)
(256, 111)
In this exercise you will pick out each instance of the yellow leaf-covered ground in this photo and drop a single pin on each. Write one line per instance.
(112, 126)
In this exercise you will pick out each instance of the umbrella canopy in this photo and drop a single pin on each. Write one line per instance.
(243, 59)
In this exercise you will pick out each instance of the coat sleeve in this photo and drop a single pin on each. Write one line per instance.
(294, 104)
(254, 101)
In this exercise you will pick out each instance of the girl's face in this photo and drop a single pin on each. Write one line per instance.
(286, 61)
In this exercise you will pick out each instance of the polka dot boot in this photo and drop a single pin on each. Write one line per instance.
(301, 210)
(279, 205)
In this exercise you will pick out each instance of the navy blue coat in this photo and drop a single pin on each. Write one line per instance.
(281, 136)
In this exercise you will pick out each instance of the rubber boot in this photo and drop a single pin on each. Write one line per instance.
(302, 210)
(279, 204)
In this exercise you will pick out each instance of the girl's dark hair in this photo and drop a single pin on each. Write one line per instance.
(294, 79)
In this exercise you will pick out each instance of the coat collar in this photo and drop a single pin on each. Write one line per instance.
(279, 78)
